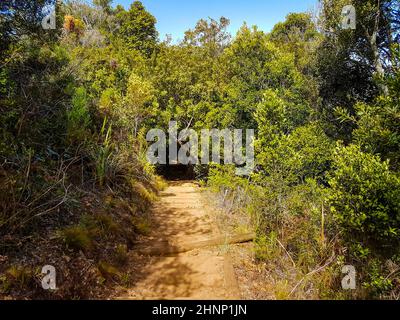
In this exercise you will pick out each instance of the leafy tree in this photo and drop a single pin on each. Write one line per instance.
(352, 63)
(184, 78)
(365, 195)
(210, 34)
(376, 30)
(298, 34)
(138, 28)
(138, 103)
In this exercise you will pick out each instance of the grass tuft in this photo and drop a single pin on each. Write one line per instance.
(108, 271)
(77, 238)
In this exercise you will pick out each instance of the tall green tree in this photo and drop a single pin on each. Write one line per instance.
(138, 28)
(352, 64)
(298, 34)
(210, 34)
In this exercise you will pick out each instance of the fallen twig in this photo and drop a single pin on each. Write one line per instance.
(311, 273)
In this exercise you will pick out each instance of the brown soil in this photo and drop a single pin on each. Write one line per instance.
(204, 273)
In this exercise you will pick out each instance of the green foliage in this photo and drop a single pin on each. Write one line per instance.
(304, 153)
(246, 63)
(108, 271)
(105, 4)
(360, 252)
(364, 196)
(377, 283)
(350, 61)
(223, 177)
(142, 225)
(145, 196)
(266, 247)
(378, 130)
(106, 224)
(78, 117)
(183, 77)
(211, 35)
(137, 104)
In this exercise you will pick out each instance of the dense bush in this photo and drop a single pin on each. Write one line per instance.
(365, 195)
(304, 153)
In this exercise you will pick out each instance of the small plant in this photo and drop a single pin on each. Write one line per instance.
(126, 280)
(107, 270)
(106, 223)
(145, 195)
(17, 276)
(282, 290)
(266, 247)
(377, 283)
(121, 254)
(78, 117)
(142, 225)
(160, 184)
(77, 237)
(360, 252)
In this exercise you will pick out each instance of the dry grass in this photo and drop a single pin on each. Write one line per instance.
(87, 242)
(292, 262)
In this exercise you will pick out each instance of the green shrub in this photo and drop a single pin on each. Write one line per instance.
(145, 196)
(304, 153)
(223, 177)
(101, 225)
(76, 237)
(378, 129)
(365, 194)
(377, 283)
(159, 184)
(307, 152)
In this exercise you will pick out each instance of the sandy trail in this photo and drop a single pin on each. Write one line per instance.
(204, 273)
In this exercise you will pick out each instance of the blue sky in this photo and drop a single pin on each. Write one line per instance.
(176, 16)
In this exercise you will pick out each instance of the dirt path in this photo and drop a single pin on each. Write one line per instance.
(204, 273)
